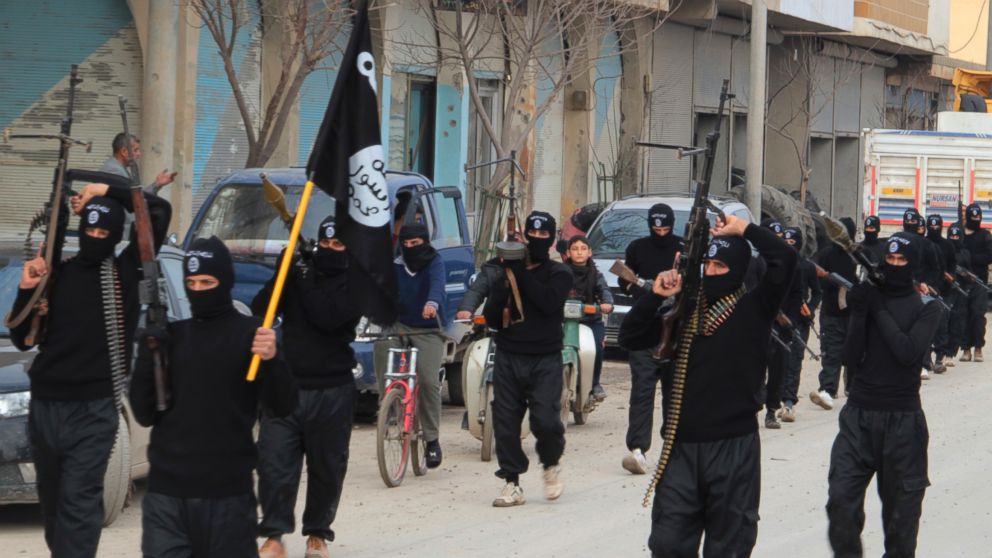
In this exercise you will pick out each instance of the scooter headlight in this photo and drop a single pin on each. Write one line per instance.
(573, 310)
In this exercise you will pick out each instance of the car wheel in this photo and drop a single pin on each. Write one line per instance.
(117, 480)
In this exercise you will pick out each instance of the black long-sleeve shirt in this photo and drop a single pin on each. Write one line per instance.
(948, 260)
(543, 291)
(202, 446)
(979, 245)
(726, 369)
(73, 362)
(932, 272)
(886, 343)
(833, 258)
(647, 260)
(318, 323)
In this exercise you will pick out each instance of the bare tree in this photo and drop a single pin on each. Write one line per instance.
(535, 45)
(804, 68)
(310, 31)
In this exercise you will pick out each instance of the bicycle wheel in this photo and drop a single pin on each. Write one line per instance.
(418, 448)
(487, 426)
(392, 444)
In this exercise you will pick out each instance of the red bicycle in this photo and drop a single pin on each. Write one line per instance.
(398, 433)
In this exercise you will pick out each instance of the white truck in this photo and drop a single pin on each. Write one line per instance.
(930, 170)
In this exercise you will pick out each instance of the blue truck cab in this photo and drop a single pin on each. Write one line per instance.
(237, 213)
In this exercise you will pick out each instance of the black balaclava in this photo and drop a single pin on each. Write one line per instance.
(849, 225)
(773, 225)
(661, 215)
(955, 231)
(935, 224)
(973, 217)
(898, 279)
(736, 253)
(102, 213)
(328, 260)
(793, 233)
(872, 222)
(418, 257)
(911, 221)
(538, 248)
(209, 256)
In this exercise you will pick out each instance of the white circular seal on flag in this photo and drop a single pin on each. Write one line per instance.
(93, 217)
(893, 247)
(367, 191)
(193, 264)
(712, 251)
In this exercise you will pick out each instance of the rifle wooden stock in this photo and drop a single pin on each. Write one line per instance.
(621, 270)
(150, 295)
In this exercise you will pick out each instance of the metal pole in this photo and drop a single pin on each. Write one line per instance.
(756, 107)
(988, 39)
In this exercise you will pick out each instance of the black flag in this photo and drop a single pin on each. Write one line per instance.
(347, 162)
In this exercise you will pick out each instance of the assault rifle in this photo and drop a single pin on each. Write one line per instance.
(54, 218)
(971, 277)
(150, 287)
(679, 325)
(785, 322)
(691, 260)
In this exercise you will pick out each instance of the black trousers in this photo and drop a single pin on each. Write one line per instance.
(174, 527)
(956, 325)
(320, 429)
(778, 358)
(71, 442)
(893, 446)
(712, 487)
(978, 305)
(521, 383)
(833, 331)
(794, 366)
(645, 374)
(941, 339)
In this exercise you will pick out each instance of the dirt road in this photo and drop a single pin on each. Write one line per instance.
(448, 513)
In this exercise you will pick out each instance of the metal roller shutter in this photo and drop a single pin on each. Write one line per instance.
(38, 43)
(671, 108)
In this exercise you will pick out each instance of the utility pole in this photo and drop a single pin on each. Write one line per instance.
(988, 39)
(756, 107)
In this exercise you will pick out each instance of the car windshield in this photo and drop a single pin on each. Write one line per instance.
(250, 227)
(10, 277)
(617, 228)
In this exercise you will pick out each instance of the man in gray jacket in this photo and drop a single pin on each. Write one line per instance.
(118, 162)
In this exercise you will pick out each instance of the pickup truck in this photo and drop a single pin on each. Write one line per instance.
(237, 213)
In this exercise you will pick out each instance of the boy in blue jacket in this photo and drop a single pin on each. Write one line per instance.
(420, 277)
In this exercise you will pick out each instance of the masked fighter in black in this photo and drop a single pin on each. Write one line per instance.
(948, 260)
(874, 245)
(647, 257)
(802, 318)
(318, 321)
(527, 370)
(978, 242)
(73, 418)
(712, 482)
(883, 430)
(200, 499)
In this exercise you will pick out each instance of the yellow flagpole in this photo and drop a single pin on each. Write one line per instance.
(287, 258)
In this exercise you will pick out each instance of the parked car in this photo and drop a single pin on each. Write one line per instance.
(237, 213)
(129, 459)
(626, 220)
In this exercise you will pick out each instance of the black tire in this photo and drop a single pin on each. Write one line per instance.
(456, 389)
(488, 437)
(787, 210)
(117, 479)
(418, 448)
(392, 445)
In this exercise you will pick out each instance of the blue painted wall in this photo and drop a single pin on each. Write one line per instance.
(39, 39)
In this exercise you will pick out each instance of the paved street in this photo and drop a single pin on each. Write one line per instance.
(448, 512)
